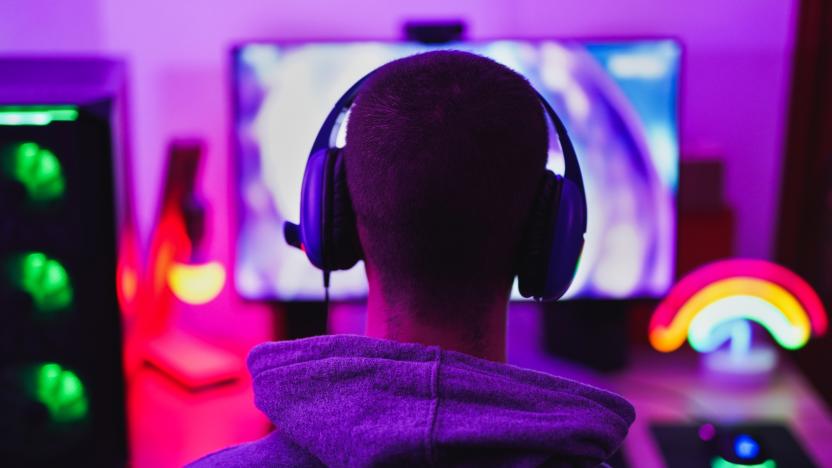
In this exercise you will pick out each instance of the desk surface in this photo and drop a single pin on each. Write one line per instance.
(674, 388)
(169, 426)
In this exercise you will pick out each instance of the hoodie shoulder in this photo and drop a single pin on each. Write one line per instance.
(272, 450)
(348, 401)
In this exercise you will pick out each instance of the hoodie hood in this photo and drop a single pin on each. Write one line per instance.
(358, 401)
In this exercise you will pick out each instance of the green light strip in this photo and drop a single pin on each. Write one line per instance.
(720, 462)
(37, 115)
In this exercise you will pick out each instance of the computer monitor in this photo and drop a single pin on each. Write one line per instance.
(618, 99)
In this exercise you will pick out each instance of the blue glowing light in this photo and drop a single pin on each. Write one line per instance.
(746, 447)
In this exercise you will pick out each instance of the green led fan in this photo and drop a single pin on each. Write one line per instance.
(37, 168)
(46, 280)
(61, 391)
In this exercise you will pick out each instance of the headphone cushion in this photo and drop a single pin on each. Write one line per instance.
(568, 241)
(328, 233)
(536, 247)
(343, 248)
(312, 206)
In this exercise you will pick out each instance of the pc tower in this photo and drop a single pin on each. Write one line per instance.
(61, 379)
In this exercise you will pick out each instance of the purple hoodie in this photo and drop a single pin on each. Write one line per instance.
(346, 400)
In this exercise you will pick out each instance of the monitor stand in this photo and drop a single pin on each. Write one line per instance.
(301, 319)
(592, 333)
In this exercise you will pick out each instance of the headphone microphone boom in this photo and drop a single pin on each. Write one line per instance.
(554, 233)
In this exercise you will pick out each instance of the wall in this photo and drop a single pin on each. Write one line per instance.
(734, 90)
(47, 26)
(736, 69)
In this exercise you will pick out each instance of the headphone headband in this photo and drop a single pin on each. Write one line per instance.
(554, 235)
(326, 135)
(572, 170)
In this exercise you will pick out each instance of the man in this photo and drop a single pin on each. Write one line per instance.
(445, 151)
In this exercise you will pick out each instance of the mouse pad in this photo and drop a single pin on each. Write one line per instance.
(762, 444)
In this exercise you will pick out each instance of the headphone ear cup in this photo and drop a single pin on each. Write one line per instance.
(327, 221)
(312, 208)
(536, 247)
(342, 247)
(568, 241)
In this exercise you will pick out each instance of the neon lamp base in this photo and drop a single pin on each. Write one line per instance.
(751, 368)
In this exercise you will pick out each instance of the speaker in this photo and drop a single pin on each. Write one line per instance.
(61, 379)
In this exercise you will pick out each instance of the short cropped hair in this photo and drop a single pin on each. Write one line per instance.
(445, 152)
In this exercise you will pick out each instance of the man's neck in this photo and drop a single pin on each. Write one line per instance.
(405, 322)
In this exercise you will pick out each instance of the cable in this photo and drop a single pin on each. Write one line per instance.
(326, 291)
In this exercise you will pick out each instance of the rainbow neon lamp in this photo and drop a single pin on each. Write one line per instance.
(716, 304)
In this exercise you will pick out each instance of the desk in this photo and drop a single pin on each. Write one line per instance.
(672, 388)
(169, 426)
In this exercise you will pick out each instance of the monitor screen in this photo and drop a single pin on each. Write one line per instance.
(618, 100)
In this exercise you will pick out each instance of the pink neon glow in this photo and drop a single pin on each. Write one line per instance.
(707, 274)
(707, 431)
(127, 271)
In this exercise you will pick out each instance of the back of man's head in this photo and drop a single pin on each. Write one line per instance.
(445, 152)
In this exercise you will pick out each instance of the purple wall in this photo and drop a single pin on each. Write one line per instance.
(735, 77)
(38, 26)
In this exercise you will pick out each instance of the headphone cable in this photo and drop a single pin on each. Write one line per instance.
(326, 291)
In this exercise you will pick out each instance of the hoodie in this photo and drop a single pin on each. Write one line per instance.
(353, 401)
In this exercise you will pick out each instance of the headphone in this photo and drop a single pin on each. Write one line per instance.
(552, 241)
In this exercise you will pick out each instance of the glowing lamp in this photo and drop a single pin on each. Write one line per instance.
(716, 303)
(730, 290)
(196, 284)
